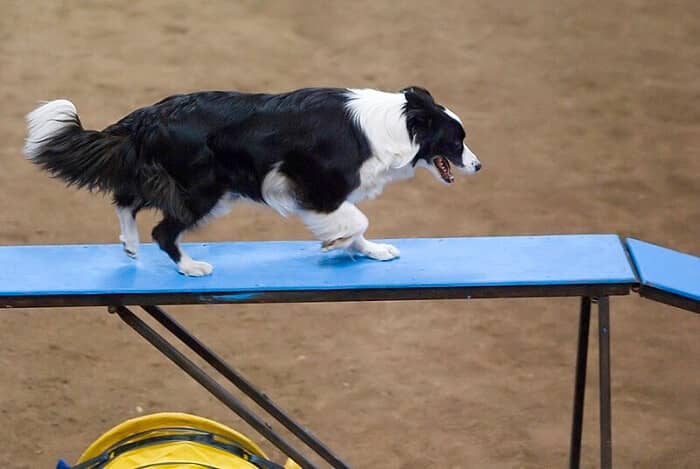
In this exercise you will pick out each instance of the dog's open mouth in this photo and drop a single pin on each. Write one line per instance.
(443, 167)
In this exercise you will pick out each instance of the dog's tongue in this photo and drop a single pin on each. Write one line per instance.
(443, 167)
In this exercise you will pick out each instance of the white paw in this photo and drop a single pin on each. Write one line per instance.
(194, 268)
(379, 251)
(131, 247)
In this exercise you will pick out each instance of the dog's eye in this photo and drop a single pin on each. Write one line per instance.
(458, 146)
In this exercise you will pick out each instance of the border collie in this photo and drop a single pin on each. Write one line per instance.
(313, 153)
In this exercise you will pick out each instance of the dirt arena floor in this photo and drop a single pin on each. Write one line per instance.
(587, 119)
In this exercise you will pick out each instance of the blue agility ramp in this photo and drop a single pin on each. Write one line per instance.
(591, 267)
(666, 275)
(90, 275)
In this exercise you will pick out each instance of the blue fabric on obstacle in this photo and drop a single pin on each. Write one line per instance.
(665, 269)
(241, 267)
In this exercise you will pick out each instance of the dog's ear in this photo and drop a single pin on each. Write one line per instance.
(418, 97)
(419, 109)
(417, 90)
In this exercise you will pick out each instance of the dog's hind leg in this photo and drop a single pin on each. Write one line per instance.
(167, 234)
(129, 236)
(344, 228)
(127, 207)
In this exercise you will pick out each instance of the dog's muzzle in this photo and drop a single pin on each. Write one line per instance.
(470, 163)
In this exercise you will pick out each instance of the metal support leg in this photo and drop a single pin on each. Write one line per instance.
(246, 387)
(604, 364)
(580, 384)
(210, 384)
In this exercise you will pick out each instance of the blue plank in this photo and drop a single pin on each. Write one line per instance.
(247, 267)
(665, 269)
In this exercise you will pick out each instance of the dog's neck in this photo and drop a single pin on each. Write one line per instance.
(381, 117)
(374, 175)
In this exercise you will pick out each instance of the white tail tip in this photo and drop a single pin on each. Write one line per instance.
(46, 121)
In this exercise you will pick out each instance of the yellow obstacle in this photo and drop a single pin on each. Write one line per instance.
(174, 440)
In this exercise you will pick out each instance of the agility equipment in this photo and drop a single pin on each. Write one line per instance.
(592, 267)
(173, 440)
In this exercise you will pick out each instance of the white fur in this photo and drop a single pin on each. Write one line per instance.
(45, 122)
(380, 116)
(374, 175)
(378, 251)
(337, 229)
(470, 163)
(277, 192)
(469, 160)
(129, 231)
(189, 266)
(344, 229)
(193, 268)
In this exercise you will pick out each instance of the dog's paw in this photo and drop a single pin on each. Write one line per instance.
(131, 247)
(379, 251)
(193, 268)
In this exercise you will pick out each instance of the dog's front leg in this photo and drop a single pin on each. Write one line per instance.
(378, 251)
(344, 228)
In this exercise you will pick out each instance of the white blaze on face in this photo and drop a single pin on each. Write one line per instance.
(470, 163)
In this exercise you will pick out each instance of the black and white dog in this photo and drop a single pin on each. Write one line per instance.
(313, 153)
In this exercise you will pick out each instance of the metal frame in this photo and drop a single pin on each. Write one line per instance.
(588, 293)
(580, 383)
(604, 382)
(117, 303)
(316, 296)
(218, 391)
(669, 298)
(316, 445)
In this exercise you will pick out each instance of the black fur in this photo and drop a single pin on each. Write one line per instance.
(182, 154)
(434, 131)
(86, 158)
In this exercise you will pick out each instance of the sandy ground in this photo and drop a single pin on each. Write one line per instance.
(587, 119)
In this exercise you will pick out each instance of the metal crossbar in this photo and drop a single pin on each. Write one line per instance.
(228, 399)
(244, 385)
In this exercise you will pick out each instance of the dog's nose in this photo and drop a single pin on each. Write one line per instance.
(477, 166)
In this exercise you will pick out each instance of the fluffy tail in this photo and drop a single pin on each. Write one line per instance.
(57, 142)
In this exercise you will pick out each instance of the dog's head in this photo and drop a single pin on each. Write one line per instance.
(439, 134)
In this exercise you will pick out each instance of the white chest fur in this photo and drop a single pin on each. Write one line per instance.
(381, 118)
(374, 175)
